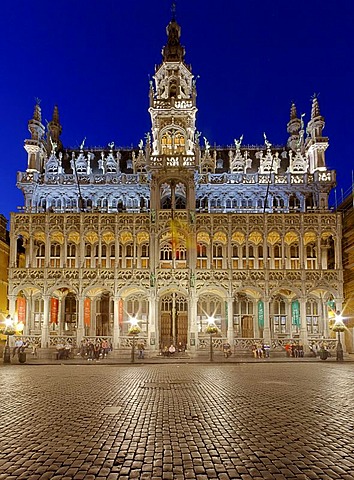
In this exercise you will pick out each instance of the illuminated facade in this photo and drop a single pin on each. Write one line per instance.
(347, 209)
(176, 231)
(4, 265)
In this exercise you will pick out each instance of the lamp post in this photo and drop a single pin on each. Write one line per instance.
(134, 331)
(211, 330)
(339, 327)
(8, 330)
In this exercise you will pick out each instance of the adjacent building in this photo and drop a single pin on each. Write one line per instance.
(177, 233)
(347, 209)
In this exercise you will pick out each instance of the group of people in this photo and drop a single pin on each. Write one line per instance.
(63, 351)
(19, 347)
(171, 350)
(294, 349)
(94, 350)
(261, 350)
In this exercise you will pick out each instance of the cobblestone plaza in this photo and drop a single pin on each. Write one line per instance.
(177, 421)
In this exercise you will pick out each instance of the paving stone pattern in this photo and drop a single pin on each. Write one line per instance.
(247, 421)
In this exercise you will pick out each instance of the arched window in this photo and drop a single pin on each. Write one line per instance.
(144, 257)
(294, 256)
(172, 142)
(166, 252)
(260, 256)
(181, 256)
(129, 255)
(71, 255)
(312, 316)
(277, 257)
(294, 203)
(250, 256)
(40, 256)
(88, 252)
(244, 256)
(38, 314)
(55, 255)
(104, 256)
(202, 260)
(235, 255)
(311, 259)
(217, 255)
(279, 316)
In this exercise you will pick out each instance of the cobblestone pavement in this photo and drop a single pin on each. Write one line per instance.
(248, 421)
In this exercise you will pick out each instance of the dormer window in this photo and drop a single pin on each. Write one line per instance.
(173, 142)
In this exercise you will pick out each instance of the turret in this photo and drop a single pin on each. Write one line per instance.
(54, 130)
(34, 145)
(316, 144)
(293, 128)
(317, 123)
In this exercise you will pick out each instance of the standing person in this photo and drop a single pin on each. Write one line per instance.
(104, 346)
(90, 351)
(97, 350)
(141, 348)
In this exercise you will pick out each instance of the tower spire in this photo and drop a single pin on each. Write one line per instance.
(173, 51)
(54, 130)
(173, 12)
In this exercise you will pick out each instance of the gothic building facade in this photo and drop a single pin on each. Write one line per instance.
(176, 232)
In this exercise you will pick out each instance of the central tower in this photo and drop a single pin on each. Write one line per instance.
(174, 154)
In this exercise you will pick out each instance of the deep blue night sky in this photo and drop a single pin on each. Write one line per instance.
(254, 58)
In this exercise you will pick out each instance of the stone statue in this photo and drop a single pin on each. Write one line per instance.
(54, 146)
(207, 144)
(82, 144)
(111, 146)
(141, 144)
(238, 142)
(266, 141)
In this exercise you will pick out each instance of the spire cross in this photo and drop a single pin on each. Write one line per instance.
(173, 11)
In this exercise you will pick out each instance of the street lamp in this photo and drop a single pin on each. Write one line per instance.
(211, 329)
(339, 327)
(134, 330)
(8, 330)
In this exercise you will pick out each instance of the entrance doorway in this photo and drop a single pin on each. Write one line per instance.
(173, 320)
(247, 326)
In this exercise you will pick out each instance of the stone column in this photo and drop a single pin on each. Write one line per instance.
(267, 334)
(230, 321)
(45, 325)
(80, 323)
(116, 332)
(152, 326)
(193, 330)
(289, 322)
(324, 331)
(28, 322)
(303, 325)
(12, 305)
(60, 315)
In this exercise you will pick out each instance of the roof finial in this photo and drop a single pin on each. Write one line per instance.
(315, 111)
(173, 12)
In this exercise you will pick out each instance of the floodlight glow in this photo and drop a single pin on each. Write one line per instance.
(19, 327)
